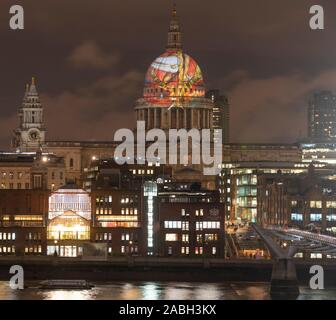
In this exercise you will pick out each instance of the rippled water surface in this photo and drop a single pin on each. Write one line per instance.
(158, 291)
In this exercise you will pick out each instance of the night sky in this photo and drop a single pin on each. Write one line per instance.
(90, 59)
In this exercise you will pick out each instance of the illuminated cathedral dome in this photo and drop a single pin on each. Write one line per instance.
(174, 91)
(173, 75)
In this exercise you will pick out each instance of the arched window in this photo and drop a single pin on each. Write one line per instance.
(71, 162)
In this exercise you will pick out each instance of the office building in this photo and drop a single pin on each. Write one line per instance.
(322, 117)
(220, 113)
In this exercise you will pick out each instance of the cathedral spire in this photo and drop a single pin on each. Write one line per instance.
(174, 33)
(31, 132)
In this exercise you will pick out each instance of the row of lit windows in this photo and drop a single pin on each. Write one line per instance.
(314, 256)
(68, 235)
(186, 250)
(126, 237)
(184, 225)
(106, 199)
(103, 210)
(113, 224)
(174, 199)
(127, 200)
(28, 218)
(15, 186)
(314, 217)
(129, 249)
(33, 249)
(124, 211)
(331, 204)
(4, 249)
(117, 218)
(131, 211)
(200, 225)
(317, 204)
(20, 175)
(104, 236)
(206, 238)
(108, 236)
(22, 224)
(11, 175)
(33, 236)
(199, 212)
(172, 237)
(148, 171)
(7, 236)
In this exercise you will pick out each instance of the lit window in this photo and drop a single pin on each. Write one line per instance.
(298, 255)
(199, 225)
(296, 217)
(173, 224)
(331, 204)
(316, 217)
(185, 238)
(125, 237)
(185, 250)
(316, 204)
(185, 225)
(170, 237)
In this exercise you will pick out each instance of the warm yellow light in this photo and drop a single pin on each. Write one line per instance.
(59, 228)
(78, 228)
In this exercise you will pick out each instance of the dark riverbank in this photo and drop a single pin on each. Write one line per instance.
(156, 269)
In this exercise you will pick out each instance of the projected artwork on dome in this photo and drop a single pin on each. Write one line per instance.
(173, 75)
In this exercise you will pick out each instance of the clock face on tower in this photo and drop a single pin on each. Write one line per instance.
(34, 135)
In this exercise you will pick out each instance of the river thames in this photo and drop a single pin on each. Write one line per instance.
(159, 291)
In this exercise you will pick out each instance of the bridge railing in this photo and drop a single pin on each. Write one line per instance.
(306, 234)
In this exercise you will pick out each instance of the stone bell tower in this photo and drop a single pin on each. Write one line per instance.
(30, 135)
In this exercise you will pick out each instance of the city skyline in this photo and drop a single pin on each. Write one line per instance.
(171, 143)
(101, 76)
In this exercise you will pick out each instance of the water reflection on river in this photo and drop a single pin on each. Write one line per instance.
(158, 291)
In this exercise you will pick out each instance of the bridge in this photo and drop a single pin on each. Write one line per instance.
(284, 279)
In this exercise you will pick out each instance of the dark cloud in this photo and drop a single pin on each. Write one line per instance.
(89, 55)
(93, 112)
(274, 109)
(90, 58)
